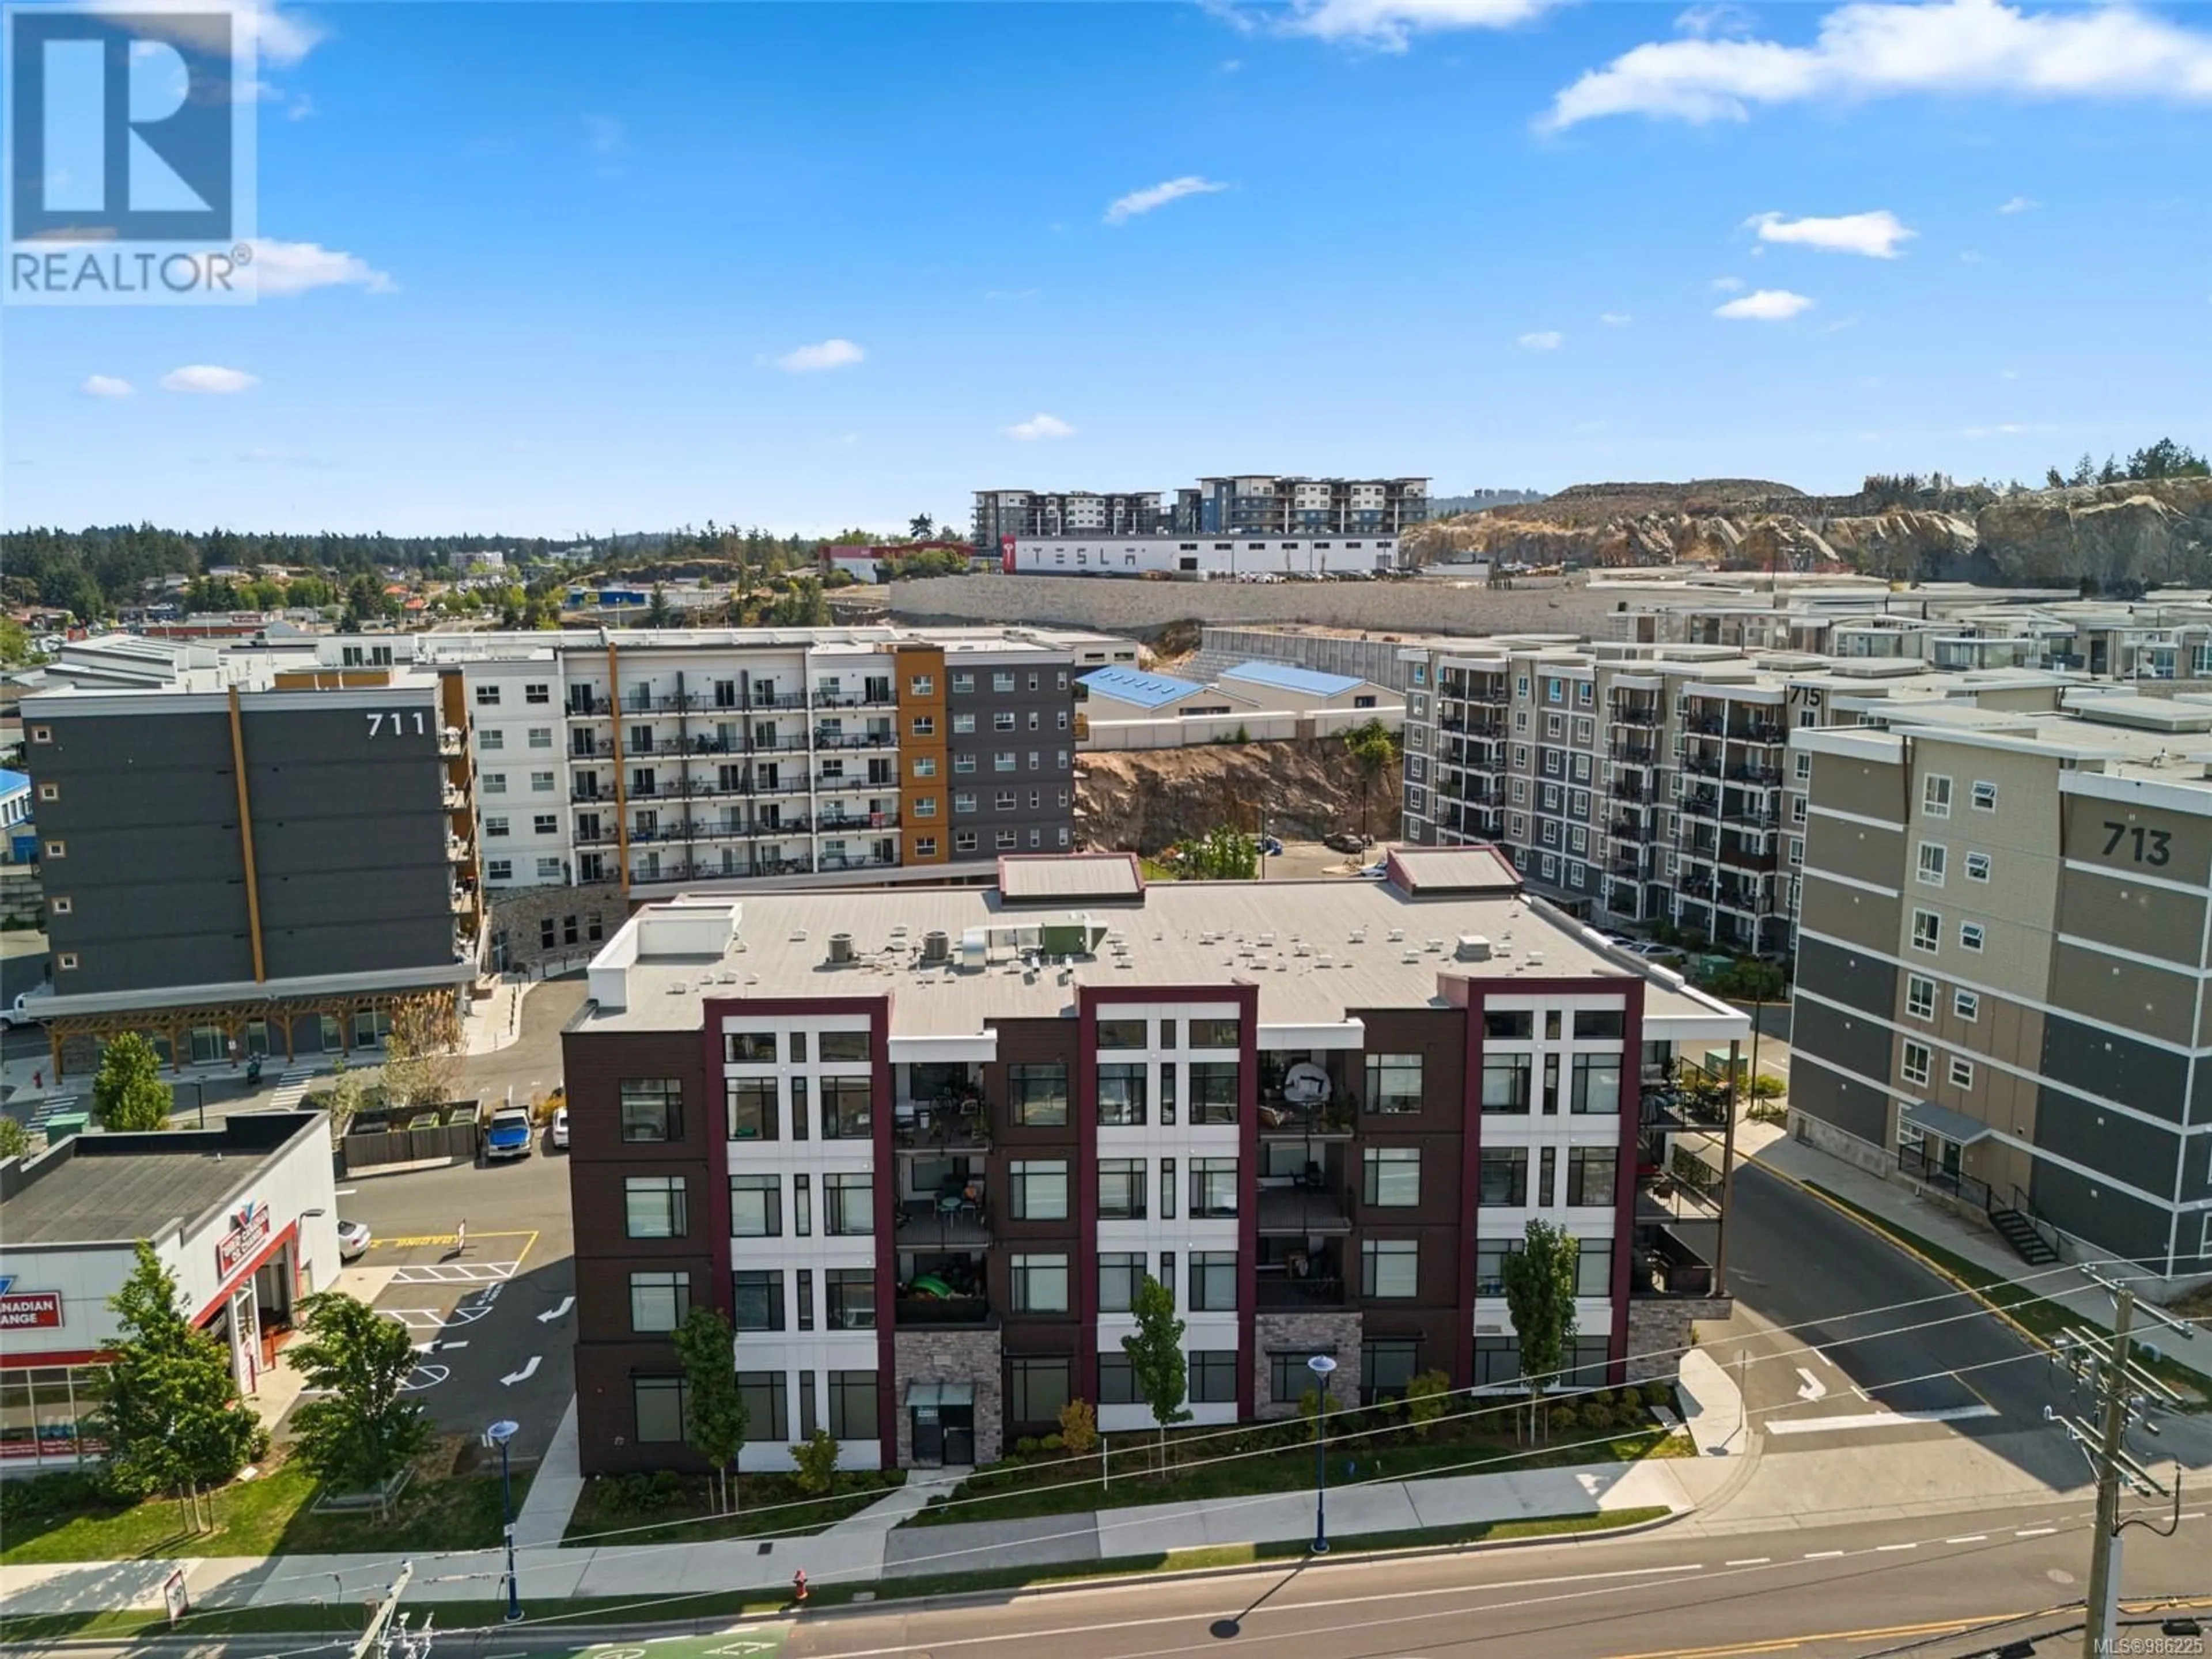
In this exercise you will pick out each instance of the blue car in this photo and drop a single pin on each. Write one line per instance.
(510, 1135)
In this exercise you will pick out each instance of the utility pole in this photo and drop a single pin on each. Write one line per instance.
(2123, 1390)
(377, 1638)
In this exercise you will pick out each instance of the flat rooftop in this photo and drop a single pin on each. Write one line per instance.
(102, 1189)
(1318, 951)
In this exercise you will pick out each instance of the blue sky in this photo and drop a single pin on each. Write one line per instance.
(561, 268)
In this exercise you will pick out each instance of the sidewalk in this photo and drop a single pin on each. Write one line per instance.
(866, 1548)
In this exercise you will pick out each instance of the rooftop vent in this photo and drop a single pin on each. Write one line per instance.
(840, 949)
(936, 946)
(1473, 947)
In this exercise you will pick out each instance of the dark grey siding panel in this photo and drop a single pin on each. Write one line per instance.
(1866, 983)
(2104, 1062)
(1852, 1041)
(2123, 1147)
(1851, 1107)
(1036, 827)
(2109, 1220)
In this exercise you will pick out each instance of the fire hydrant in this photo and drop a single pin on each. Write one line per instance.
(799, 1585)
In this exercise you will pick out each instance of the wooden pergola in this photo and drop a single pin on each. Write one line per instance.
(177, 1024)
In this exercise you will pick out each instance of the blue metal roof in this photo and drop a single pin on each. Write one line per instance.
(14, 782)
(1130, 685)
(1310, 681)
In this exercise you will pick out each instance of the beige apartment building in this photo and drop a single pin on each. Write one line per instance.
(2004, 966)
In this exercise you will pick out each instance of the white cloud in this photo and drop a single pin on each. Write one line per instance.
(1549, 339)
(280, 39)
(1706, 22)
(1040, 426)
(296, 267)
(104, 386)
(1615, 319)
(208, 379)
(1728, 285)
(1876, 235)
(1126, 208)
(813, 359)
(1768, 305)
(2019, 204)
(1885, 48)
(1389, 25)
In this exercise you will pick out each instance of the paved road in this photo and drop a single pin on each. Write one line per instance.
(1834, 1373)
(1827, 1593)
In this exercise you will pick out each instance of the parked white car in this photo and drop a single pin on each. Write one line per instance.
(561, 1129)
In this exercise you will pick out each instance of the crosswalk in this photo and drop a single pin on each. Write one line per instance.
(51, 1106)
(291, 1090)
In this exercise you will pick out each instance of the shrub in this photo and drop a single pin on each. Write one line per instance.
(1562, 1419)
(50, 1497)
(1052, 1442)
(1078, 1427)
(1597, 1418)
(1026, 1446)
(816, 1459)
(1659, 1394)
(1602, 1397)
(1427, 1395)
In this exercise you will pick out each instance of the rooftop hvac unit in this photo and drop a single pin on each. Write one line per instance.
(936, 946)
(1473, 947)
(840, 949)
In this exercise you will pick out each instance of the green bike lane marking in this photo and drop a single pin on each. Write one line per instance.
(745, 1641)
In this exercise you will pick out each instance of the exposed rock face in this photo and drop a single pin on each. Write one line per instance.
(2118, 536)
(1148, 799)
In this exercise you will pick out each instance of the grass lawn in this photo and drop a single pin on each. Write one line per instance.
(1052, 1485)
(455, 1616)
(267, 1516)
(679, 1508)
(2040, 1314)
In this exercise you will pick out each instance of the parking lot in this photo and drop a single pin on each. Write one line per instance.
(493, 1321)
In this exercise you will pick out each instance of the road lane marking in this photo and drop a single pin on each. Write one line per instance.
(1970, 1538)
(554, 1313)
(1880, 1419)
(1812, 1388)
(1885, 1548)
(528, 1369)
(2035, 1532)
(1822, 1555)
(1750, 1561)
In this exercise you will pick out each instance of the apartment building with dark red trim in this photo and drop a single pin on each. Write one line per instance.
(923, 1146)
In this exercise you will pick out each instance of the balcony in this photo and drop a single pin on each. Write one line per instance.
(594, 796)
(1743, 858)
(831, 823)
(1280, 1293)
(1641, 714)
(775, 700)
(854, 741)
(927, 1225)
(941, 1125)
(455, 797)
(1633, 754)
(830, 861)
(1281, 1121)
(1301, 1211)
(1702, 766)
(942, 1312)
(464, 902)
(458, 851)
(452, 740)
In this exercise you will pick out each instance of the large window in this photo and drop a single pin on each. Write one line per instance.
(1394, 1083)
(1594, 1267)
(1039, 1283)
(1389, 1267)
(1037, 1189)
(1117, 1380)
(660, 1408)
(752, 1108)
(853, 1405)
(1288, 1377)
(1212, 1187)
(1919, 996)
(1390, 1177)
(1596, 1085)
(1213, 1281)
(852, 1298)
(755, 1206)
(844, 1048)
(653, 1207)
(1123, 1033)
(758, 1299)
(1212, 1374)
(1039, 1094)
(1210, 1033)
(1213, 1091)
(768, 1406)
(1119, 1272)
(1504, 1175)
(1917, 1059)
(849, 1205)
(651, 1109)
(658, 1302)
(1590, 1171)
(1122, 1097)
(1505, 1082)
(1121, 1189)
(1038, 1386)
(846, 1113)
(1490, 1256)
(1508, 1025)
(1387, 1364)
(750, 1048)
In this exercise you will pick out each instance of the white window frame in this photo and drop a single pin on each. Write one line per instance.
(1977, 866)
(1961, 1071)
(1971, 936)
(1931, 861)
(1916, 1063)
(1919, 996)
(1984, 799)
(1934, 932)
(1966, 1005)
(1935, 796)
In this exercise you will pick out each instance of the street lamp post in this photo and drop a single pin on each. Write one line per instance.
(1321, 1365)
(498, 1435)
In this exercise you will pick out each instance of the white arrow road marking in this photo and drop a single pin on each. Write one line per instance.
(552, 1314)
(528, 1369)
(1812, 1388)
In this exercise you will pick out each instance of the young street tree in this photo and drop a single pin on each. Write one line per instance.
(1374, 749)
(422, 1053)
(715, 1420)
(128, 1092)
(1221, 853)
(1539, 1295)
(1156, 1362)
(168, 1406)
(359, 1430)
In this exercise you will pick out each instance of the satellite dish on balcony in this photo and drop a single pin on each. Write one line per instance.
(1305, 1085)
